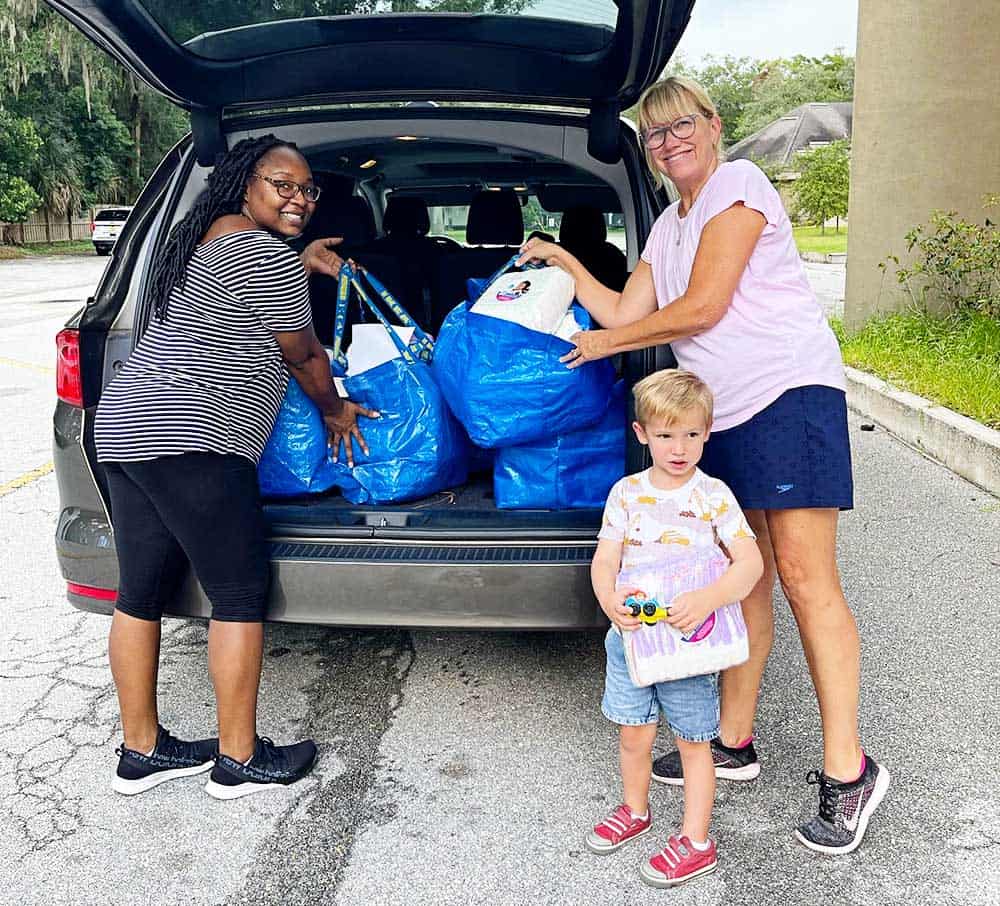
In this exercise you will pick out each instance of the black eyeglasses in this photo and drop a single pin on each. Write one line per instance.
(288, 189)
(683, 127)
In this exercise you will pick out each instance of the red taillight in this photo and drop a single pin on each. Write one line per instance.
(89, 591)
(92, 225)
(69, 385)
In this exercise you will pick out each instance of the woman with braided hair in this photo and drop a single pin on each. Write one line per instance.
(180, 431)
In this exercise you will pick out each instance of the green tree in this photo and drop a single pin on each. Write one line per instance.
(19, 147)
(729, 82)
(106, 144)
(749, 93)
(56, 174)
(75, 94)
(822, 188)
(783, 85)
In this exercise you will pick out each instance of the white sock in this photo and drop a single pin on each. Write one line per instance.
(641, 817)
(149, 754)
(701, 847)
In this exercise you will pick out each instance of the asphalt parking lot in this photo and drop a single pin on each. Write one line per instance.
(462, 768)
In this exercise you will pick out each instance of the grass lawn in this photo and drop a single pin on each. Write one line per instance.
(809, 239)
(954, 361)
(77, 247)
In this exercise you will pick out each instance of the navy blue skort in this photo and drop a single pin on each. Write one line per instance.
(794, 454)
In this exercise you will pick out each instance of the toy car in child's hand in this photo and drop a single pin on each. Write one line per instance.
(647, 610)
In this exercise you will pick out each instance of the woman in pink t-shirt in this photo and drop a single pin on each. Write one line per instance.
(721, 281)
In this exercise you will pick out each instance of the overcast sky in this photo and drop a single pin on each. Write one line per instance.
(769, 28)
(760, 29)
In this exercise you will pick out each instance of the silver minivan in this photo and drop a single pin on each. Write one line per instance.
(433, 133)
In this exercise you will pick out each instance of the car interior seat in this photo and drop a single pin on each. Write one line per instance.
(406, 223)
(494, 232)
(584, 234)
(350, 218)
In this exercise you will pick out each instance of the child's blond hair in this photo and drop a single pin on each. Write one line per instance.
(668, 394)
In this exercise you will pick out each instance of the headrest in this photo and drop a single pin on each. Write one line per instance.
(495, 219)
(333, 184)
(349, 217)
(582, 225)
(406, 217)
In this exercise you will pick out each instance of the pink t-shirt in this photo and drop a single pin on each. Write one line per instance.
(774, 336)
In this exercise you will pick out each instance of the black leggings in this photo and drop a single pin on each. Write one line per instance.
(202, 508)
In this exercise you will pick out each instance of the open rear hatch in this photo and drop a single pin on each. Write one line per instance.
(211, 57)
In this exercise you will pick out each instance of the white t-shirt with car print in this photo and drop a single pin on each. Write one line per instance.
(653, 524)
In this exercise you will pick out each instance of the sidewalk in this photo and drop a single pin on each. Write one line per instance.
(961, 444)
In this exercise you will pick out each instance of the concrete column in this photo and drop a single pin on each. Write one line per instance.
(926, 131)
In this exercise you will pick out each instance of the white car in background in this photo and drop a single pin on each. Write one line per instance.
(106, 226)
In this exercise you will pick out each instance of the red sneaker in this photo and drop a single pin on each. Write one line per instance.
(619, 828)
(678, 862)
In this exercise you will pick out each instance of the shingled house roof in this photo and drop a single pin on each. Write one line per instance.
(778, 142)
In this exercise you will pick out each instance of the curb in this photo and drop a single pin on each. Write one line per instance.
(959, 443)
(824, 258)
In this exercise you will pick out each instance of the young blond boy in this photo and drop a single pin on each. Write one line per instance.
(670, 507)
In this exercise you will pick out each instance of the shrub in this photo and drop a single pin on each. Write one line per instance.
(956, 265)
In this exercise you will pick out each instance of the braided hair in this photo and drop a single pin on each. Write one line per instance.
(224, 195)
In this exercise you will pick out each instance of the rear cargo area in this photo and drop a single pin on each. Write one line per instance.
(466, 511)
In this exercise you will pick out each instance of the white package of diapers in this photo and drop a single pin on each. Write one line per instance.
(656, 652)
(538, 298)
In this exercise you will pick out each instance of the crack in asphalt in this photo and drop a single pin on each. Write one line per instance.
(74, 719)
(352, 703)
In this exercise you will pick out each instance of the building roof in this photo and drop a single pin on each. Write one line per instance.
(798, 130)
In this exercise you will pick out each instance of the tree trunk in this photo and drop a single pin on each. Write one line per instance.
(138, 157)
(135, 116)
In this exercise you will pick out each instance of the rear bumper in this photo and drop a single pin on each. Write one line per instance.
(470, 585)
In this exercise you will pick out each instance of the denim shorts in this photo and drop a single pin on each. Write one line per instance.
(690, 705)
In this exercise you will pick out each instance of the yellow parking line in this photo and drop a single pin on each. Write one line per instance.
(25, 479)
(42, 368)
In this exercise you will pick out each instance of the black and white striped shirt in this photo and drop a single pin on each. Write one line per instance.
(210, 378)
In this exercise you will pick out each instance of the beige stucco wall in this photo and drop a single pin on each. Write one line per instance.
(926, 130)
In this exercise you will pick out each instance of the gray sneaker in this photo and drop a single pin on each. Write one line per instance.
(844, 810)
(730, 764)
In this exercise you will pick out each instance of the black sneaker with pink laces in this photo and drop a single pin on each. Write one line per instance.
(844, 810)
(737, 763)
(619, 828)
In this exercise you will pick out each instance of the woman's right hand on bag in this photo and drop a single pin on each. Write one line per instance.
(343, 425)
(618, 613)
(550, 253)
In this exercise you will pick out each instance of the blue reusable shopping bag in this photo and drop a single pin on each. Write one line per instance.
(505, 383)
(567, 471)
(293, 458)
(415, 448)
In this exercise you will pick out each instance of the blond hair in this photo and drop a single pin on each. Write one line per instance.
(665, 101)
(669, 394)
